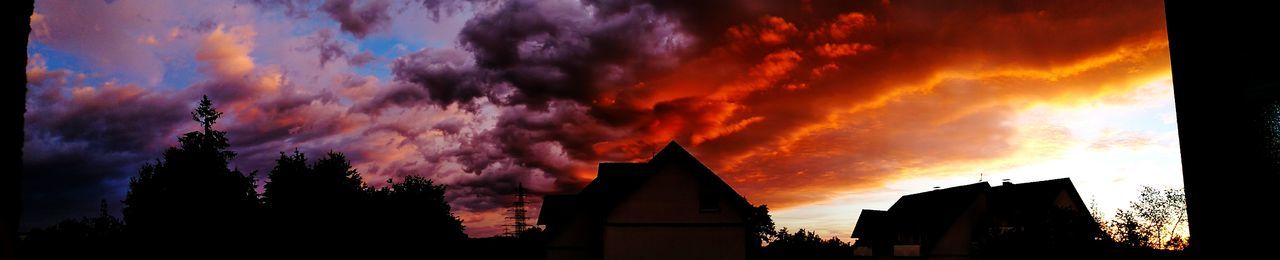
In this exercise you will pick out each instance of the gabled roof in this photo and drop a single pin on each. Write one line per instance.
(615, 180)
(870, 222)
(674, 154)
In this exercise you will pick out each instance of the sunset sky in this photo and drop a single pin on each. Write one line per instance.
(816, 108)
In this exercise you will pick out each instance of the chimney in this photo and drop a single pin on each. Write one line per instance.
(1006, 183)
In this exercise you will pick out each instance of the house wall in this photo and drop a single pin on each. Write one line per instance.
(957, 240)
(577, 239)
(1065, 201)
(674, 242)
(661, 219)
(671, 196)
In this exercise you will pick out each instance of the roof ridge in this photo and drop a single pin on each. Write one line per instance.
(672, 149)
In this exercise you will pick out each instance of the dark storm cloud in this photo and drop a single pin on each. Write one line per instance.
(451, 126)
(550, 62)
(526, 144)
(394, 95)
(544, 64)
(359, 20)
(82, 144)
(67, 179)
(448, 75)
(560, 50)
(115, 117)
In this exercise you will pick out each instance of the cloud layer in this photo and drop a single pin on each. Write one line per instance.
(785, 100)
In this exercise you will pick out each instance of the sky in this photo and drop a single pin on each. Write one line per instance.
(816, 108)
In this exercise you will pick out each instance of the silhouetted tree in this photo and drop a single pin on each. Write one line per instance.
(330, 186)
(410, 214)
(532, 234)
(417, 210)
(1154, 221)
(327, 205)
(315, 205)
(1100, 220)
(760, 225)
(190, 200)
(1164, 212)
(1128, 231)
(760, 229)
(285, 183)
(99, 236)
(806, 245)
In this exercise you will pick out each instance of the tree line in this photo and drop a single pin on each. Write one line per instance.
(784, 244)
(1156, 220)
(190, 204)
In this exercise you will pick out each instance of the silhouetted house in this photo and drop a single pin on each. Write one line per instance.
(979, 220)
(671, 207)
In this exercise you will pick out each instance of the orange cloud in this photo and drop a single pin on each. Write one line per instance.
(775, 67)
(700, 137)
(843, 27)
(929, 87)
(39, 28)
(226, 52)
(771, 30)
(842, 49)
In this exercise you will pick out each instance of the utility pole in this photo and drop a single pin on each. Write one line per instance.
(517, 211)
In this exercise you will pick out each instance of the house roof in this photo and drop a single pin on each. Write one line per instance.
(870, 222)
(1034, 192)
(1032, 197)
(674, 154)
(556, 208)
(931, 213)
(615, 180)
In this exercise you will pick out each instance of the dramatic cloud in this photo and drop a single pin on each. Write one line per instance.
(792, 102)
(448, 75)
(83, 142)
(358, 20)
